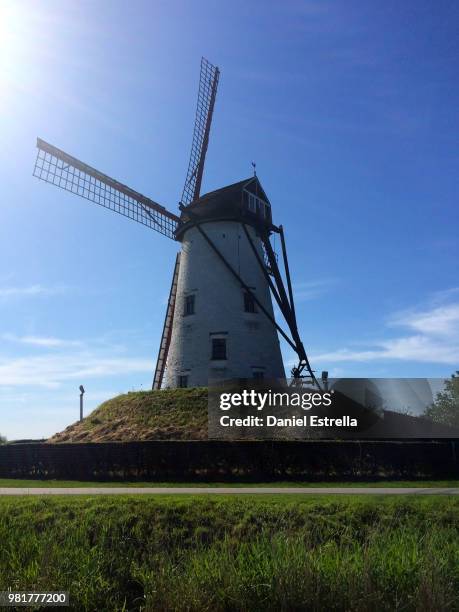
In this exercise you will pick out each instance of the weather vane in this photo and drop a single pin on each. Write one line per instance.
(254, 168)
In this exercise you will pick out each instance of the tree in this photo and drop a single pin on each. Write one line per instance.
(2, 439)
(445, 408)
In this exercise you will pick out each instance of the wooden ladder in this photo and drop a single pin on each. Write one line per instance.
(167, 329)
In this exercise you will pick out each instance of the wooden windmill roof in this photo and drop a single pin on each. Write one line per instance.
(225, 203)
(232, 192)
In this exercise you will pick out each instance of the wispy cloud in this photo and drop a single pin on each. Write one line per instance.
(41, 341)
(414, 348)
(311, 290)
(51, 370)
(435, 338)
(439, 321)
(29, 291)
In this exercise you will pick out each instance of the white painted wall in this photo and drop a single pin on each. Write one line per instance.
(252, 340)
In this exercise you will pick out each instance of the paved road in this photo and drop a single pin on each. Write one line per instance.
(230, 490)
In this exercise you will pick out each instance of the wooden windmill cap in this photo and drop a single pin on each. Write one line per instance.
(230, 203)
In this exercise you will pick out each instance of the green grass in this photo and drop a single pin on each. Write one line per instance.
(179, 414)
(269, 553)
(12, 482)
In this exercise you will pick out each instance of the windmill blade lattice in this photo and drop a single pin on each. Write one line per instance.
(62, 170)
(208, 83)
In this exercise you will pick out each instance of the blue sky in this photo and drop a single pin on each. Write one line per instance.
(350, 110)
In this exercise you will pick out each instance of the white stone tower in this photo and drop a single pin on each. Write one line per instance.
(219, 329)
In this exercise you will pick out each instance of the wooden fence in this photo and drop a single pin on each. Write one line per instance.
(242, 460)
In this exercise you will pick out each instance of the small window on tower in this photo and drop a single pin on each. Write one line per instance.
(258, 374)
(252, 203)
(189, 305)
(249, 302)
(219, 348)
(182, 382)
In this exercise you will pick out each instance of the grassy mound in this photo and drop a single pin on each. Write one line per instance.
(222, 554)
(169, 414)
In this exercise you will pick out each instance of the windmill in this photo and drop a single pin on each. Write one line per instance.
(219, 321)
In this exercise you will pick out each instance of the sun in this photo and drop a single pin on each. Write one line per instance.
(15, 46)
(10, 25)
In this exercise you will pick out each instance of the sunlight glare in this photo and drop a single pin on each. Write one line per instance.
(16, 44)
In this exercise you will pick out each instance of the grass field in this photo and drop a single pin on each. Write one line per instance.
(273, 553)
(13, 482)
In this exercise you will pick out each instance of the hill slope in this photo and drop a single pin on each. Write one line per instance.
(179, 414)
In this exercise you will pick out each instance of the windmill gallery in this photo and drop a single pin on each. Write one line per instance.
(219, 321)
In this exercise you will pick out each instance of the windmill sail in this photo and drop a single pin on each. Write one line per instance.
(208, 83)
(58, 168)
